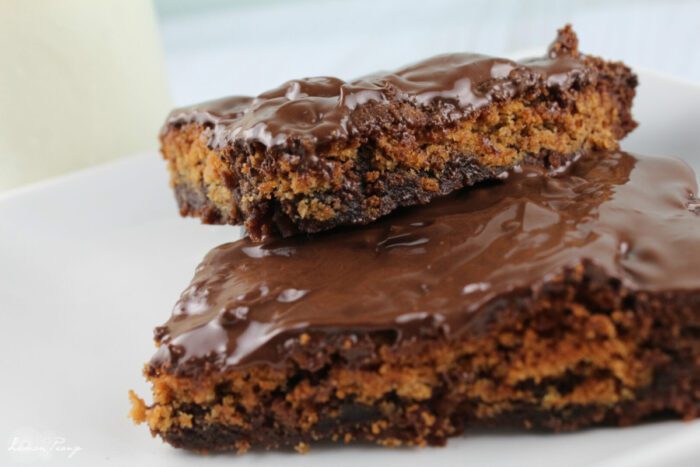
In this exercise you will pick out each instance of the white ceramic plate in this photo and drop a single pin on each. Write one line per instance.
(90, 263)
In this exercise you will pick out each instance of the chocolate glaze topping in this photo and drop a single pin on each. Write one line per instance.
(437, 266)
(313, 112)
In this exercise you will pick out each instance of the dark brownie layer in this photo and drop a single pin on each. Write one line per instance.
(660, 401)
(547, 301)
(317, 153)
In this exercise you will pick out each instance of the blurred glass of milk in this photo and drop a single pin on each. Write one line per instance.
(81, 82)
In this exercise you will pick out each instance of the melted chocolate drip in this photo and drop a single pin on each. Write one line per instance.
(436, 266)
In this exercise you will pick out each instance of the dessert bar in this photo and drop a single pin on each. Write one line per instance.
(317, 153)
(536, 301)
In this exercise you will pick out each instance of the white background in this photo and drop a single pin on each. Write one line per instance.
(215, 48)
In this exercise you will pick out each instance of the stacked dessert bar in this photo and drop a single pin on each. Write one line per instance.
(456, 244)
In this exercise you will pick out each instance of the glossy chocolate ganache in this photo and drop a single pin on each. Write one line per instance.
(437, 266)
(313, 112)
